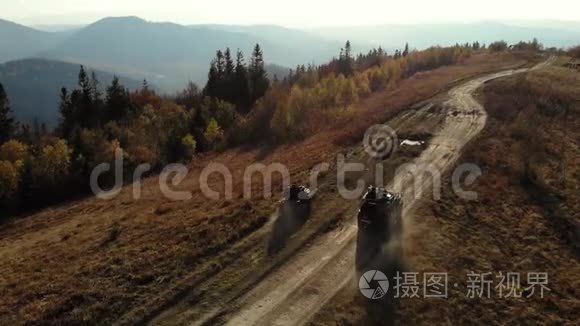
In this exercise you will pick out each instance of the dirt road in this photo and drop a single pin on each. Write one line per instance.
(294, 292)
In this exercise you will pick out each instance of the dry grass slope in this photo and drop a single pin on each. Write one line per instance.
(99, 261)
(526, 217)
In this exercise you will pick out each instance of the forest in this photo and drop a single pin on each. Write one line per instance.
(239, 105)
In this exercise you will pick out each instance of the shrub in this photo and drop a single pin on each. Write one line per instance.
(189, 144)
(574, 52)
(498, 46)
(213, 133)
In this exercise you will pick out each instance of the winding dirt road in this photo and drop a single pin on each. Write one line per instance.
(294, 292)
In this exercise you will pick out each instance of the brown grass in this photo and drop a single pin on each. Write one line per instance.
(526, 217)
(94, 261)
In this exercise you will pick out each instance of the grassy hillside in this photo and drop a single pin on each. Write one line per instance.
(98, 261)
(524, 220)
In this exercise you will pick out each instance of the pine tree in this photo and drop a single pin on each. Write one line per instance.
(66, 114)
(228, 84)
(84, 82)
(345, 61)
(95, 88)
(406, 51)
(118, 103)
(347, 50)
(23, 133)
(229, 64)
(241, 87)
(7, 124)
(211, 87)
(37, 132)
(259, 81)
(97, 104)
(85, 113)
(397, 54)
(220, 64)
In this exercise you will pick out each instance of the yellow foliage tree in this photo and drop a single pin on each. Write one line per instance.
(13, 151)
(349, 92)
(213, 133)
(362, 84)
(9, 179)
(53, 161)
(189, 144)
(281, 122)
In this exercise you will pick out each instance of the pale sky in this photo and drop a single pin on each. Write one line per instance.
(294, 13)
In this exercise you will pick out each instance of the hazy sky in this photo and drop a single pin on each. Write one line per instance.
(297, 13)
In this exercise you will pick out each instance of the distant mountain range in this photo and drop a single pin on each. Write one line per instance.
(557, 34)
(168, 55)
(33, 86)
(17, 41)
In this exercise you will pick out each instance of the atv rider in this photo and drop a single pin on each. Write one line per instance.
(373, 214)
(299, 194)
(293, 192)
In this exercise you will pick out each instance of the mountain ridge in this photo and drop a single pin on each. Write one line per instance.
(44, 78)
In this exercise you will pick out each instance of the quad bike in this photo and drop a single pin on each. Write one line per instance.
(293, 212)
(299, 194)
(379, 220)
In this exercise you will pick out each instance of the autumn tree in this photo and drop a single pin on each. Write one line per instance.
(9, 179)
(189, 145)
(281, 122)
(213, 132)
(14, 151)
(189, 97)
